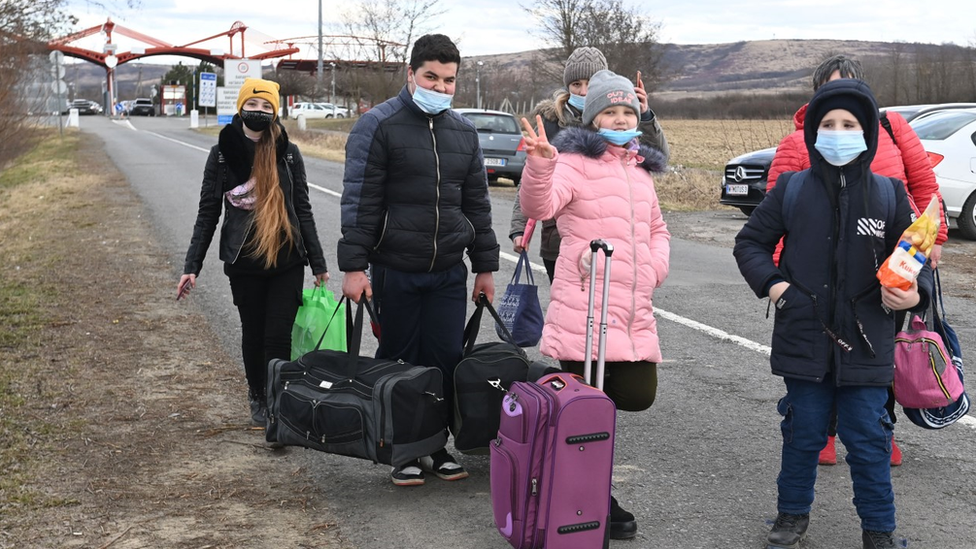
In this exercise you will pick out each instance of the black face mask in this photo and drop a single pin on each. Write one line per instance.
(257, 121)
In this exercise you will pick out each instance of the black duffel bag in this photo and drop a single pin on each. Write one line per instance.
(341, 403)
(481, 380)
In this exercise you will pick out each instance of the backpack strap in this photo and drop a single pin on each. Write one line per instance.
(887, 196)
(793, 186)
(886, 124)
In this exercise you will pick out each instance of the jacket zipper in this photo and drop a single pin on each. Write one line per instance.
(437, 202)
(633, 247)
(833, 274)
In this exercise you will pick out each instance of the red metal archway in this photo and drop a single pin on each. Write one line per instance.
(109, 57)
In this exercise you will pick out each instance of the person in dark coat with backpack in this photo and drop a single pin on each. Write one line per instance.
(257, 177)
(833, 337)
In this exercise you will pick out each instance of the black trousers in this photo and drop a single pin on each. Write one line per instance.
(422, 317)
(267, 303)
(631, 385)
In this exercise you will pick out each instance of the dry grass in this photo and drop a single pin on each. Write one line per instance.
(709, 144)
(699, 152)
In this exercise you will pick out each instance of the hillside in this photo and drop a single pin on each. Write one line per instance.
(696, 69)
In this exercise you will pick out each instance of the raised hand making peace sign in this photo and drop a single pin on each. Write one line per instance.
(537, 144)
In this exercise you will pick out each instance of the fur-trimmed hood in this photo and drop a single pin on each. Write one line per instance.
(589, 144)
(238, 150)
(557, 110)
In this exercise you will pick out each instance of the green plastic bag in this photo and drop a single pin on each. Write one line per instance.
(319, 314)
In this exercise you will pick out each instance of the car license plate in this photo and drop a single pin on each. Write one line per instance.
(737, 190)
(494, 162)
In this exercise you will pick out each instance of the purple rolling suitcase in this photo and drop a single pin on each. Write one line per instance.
(553, 459)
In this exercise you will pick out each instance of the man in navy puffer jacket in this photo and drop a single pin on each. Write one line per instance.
(414, 200)
(833, 338)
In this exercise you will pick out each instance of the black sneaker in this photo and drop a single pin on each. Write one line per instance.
(622, 523)
(443, 465)
(408, 474)
(259, 410)
(877, 540)
(787, 531)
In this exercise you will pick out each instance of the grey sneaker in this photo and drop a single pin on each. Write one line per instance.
(877, 540)
(787, 531)
(259, 410)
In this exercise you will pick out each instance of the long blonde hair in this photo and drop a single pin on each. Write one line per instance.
(272, 229)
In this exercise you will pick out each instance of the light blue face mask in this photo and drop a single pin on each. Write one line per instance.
(619, 137)
(840, 147)
(578, 101)
(430, 101)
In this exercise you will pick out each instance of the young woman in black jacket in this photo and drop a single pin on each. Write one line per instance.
(268, 235)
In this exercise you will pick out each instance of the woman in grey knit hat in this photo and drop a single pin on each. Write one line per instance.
(565, 110)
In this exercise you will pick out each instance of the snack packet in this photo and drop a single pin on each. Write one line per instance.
(913, 249)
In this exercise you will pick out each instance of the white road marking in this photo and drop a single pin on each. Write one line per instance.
(721, 335)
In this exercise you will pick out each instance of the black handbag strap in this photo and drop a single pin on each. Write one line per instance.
(354, 333)
(334, 313)
(474, 324)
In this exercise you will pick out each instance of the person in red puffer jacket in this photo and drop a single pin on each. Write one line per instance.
(900, 155)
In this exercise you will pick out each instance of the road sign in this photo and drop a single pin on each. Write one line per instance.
(208, 89)
(57, 71)
(236, 70)
(56, 57)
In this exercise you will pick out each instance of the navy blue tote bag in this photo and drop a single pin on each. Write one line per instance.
(519, 309)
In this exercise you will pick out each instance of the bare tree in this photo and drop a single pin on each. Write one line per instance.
(385, 22)
(25, 27)
(626, 36)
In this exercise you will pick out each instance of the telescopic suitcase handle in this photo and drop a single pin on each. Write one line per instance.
(597, 380)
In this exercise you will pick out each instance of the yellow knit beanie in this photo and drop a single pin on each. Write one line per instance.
(261, 89)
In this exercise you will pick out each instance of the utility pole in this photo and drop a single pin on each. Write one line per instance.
(332, 67)
(319, 68)
(477, 81)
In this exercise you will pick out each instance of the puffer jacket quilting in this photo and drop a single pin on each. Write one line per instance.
(594, 190)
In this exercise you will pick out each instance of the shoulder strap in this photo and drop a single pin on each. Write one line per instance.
(222, 174)
(793, 186)
(887, 195)
(290, 160)
(886, 124)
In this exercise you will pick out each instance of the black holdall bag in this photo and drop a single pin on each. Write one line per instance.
(386, 411)
(482, 378)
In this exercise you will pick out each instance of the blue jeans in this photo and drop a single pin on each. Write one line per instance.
(863, 425)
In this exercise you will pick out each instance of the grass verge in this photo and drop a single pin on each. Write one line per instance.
(24, 256)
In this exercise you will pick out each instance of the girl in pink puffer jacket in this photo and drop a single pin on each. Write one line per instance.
(597, 185)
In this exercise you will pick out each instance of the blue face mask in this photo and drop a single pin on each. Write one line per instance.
(840, 147)
(578, 101)
(431, 102)
(619, 137)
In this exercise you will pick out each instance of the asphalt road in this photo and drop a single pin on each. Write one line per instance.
(698, 469)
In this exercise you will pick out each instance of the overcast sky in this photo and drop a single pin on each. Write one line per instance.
(502, 26)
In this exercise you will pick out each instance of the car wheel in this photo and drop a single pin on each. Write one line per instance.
(967, 218)
(328, 116)
(747, 209)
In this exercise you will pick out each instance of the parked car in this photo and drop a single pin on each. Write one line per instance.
(309, 110)
(501, 142)
(84, 106)
(744, 182)
(950, 139)
(142, 107)
(334, 111)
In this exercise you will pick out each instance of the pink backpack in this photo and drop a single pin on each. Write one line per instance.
(925, 376)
